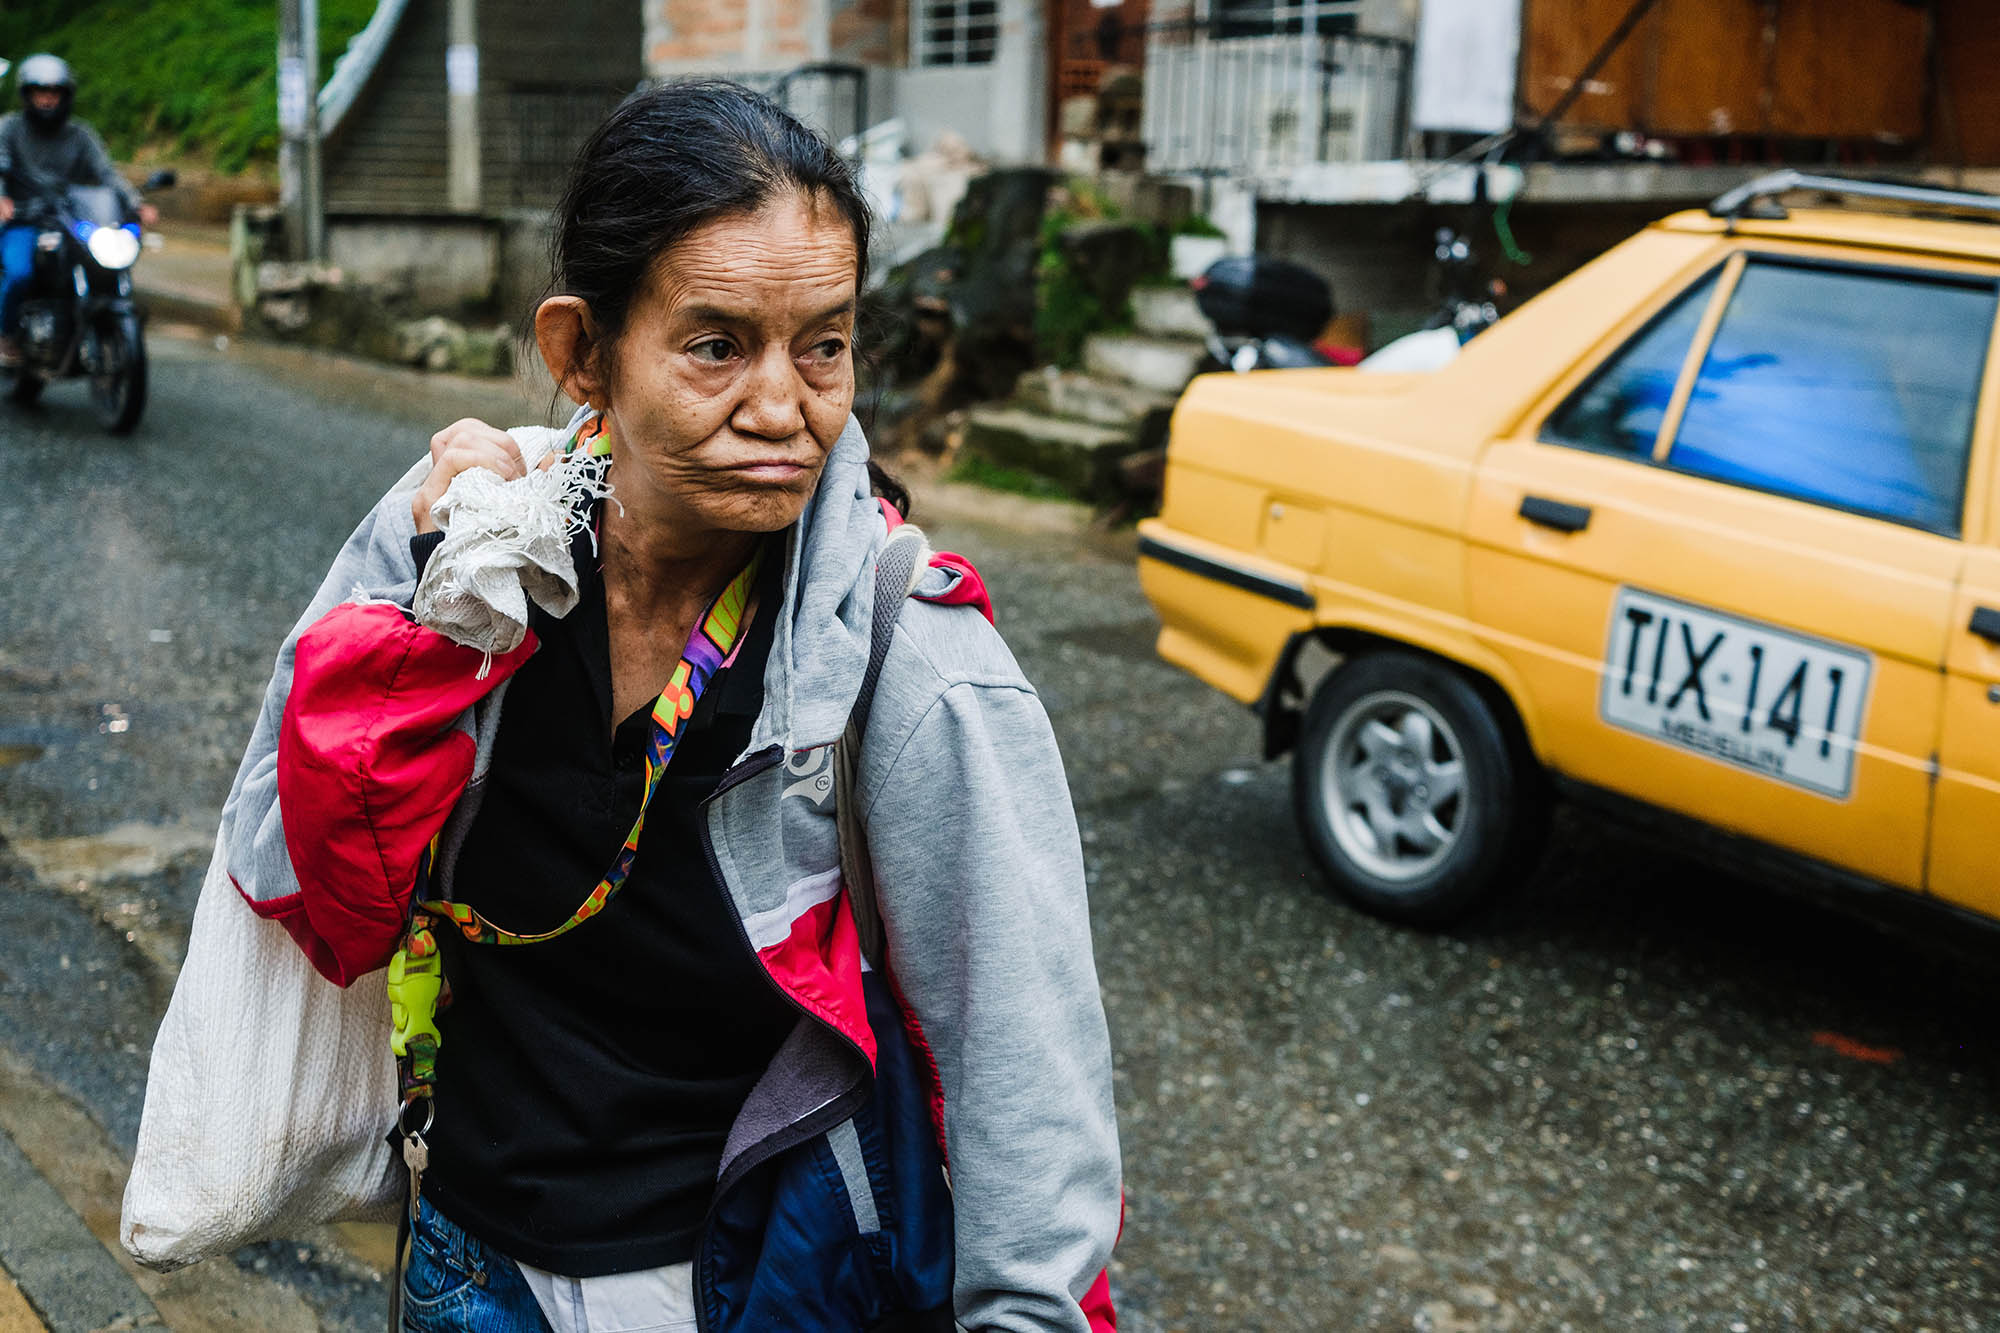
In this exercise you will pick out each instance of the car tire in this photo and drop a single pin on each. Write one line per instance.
(1412, 793)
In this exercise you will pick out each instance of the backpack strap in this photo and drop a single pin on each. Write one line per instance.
(900, 565)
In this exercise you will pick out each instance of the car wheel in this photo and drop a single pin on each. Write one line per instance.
(1409, 792)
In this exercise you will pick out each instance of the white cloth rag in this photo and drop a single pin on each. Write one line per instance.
(507, 542)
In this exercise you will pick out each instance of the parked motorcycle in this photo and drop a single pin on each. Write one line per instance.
(1265, 312)
(1469, 302)
(78, 318)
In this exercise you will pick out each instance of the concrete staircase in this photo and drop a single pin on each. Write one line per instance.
(1076, 428)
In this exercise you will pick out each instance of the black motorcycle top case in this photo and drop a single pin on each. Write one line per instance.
(1255, 296)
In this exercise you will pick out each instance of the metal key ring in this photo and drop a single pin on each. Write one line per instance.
(430, 1117)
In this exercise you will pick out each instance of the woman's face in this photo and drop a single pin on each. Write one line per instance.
(735, 373)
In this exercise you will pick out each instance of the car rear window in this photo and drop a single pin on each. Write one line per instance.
(1850, 388)
(1619, 409)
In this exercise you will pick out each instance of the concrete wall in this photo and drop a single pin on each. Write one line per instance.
(523, 278)
(444, 264)
(947, 97)
(1379, 256)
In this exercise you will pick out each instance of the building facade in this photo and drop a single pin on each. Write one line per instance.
(978, 68)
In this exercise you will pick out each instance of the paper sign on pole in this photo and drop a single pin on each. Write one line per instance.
(461, 69)
(1467, 53)
(291, 96)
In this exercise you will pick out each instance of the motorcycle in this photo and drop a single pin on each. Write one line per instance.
(78, 318)
(1265, 314)
(1469, 303)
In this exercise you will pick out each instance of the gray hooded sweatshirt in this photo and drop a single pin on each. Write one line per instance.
(36, 166)
(979, 880)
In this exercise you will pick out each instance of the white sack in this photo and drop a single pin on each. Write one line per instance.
(272, 1090)
(269, 1096)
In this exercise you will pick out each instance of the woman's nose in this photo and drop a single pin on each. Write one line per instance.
(770, 407)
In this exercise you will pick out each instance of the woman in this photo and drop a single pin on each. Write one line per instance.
(698, 1094)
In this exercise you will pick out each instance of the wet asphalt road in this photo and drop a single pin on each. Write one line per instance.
(1647, 1095)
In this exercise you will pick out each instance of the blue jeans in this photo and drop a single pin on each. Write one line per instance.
(458, 1284)
(17, 261)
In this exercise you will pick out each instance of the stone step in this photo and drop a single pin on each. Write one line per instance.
(1168, 312)
(1070, 393)
(1162, 364)
(1080, 456)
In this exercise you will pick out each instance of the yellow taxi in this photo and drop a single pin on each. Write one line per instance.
(1709, 531)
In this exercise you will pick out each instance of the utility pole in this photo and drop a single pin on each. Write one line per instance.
(461, 69)
(299, 183)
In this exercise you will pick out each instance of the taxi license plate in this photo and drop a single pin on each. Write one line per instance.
(1744, 693)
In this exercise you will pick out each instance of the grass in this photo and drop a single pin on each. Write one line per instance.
(995, 477)
(191, 80)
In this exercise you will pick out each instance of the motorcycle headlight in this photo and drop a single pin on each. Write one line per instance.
(114, 247)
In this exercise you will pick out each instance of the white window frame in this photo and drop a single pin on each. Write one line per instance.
(956, 46)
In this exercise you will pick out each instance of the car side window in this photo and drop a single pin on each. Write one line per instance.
(1619, 409)
(1850, 388)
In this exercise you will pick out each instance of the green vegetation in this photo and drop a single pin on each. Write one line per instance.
(189, 79)
(1069, 307)
(998, 477)
(1071, 301)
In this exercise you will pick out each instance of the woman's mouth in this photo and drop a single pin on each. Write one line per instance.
(774, 470)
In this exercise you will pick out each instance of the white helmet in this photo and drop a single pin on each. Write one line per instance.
(46, 71)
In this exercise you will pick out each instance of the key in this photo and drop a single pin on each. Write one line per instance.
(416, 1156)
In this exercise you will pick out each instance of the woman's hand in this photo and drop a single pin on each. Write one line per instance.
(467, 443)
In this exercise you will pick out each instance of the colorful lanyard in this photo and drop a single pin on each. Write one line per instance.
(417, 989)
(707, 649)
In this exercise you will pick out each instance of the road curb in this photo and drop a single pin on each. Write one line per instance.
(188, 306)
(70, 1280)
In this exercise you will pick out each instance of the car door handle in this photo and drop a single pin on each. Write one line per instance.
(1555, 514)
(1986, 623)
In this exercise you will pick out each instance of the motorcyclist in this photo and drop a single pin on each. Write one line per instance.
(43, 152)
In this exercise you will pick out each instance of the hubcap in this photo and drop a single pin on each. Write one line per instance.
(1393, 782)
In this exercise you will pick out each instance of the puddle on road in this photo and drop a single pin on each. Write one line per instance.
(108, 871)
(20, 754)
(132, 849)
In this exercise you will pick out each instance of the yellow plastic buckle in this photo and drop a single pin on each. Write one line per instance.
(414, 986)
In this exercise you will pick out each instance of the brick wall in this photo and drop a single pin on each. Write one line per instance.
(866, 32)
(684, 36)
(689, 34)
(786, 39)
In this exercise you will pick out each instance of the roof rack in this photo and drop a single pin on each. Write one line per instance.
(1759, 198)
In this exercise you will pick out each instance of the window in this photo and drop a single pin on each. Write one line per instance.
(957, 32)
(1849, 388)
(1620, 408)
(1266, 18)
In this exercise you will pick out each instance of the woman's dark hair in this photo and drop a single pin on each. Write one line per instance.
(670, 160)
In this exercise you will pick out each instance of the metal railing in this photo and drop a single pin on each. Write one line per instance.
(542, 126)
(1267, 104)
(830, 97)
(357, 65)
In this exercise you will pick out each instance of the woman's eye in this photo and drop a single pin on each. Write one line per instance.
(715, 351)
(830, 349)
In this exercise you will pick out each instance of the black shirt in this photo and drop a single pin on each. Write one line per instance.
(585, 1084)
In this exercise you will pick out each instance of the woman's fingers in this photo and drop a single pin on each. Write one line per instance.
(470, 431)
(458, 447)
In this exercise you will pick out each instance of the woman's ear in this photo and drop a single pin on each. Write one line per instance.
(567, 337)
